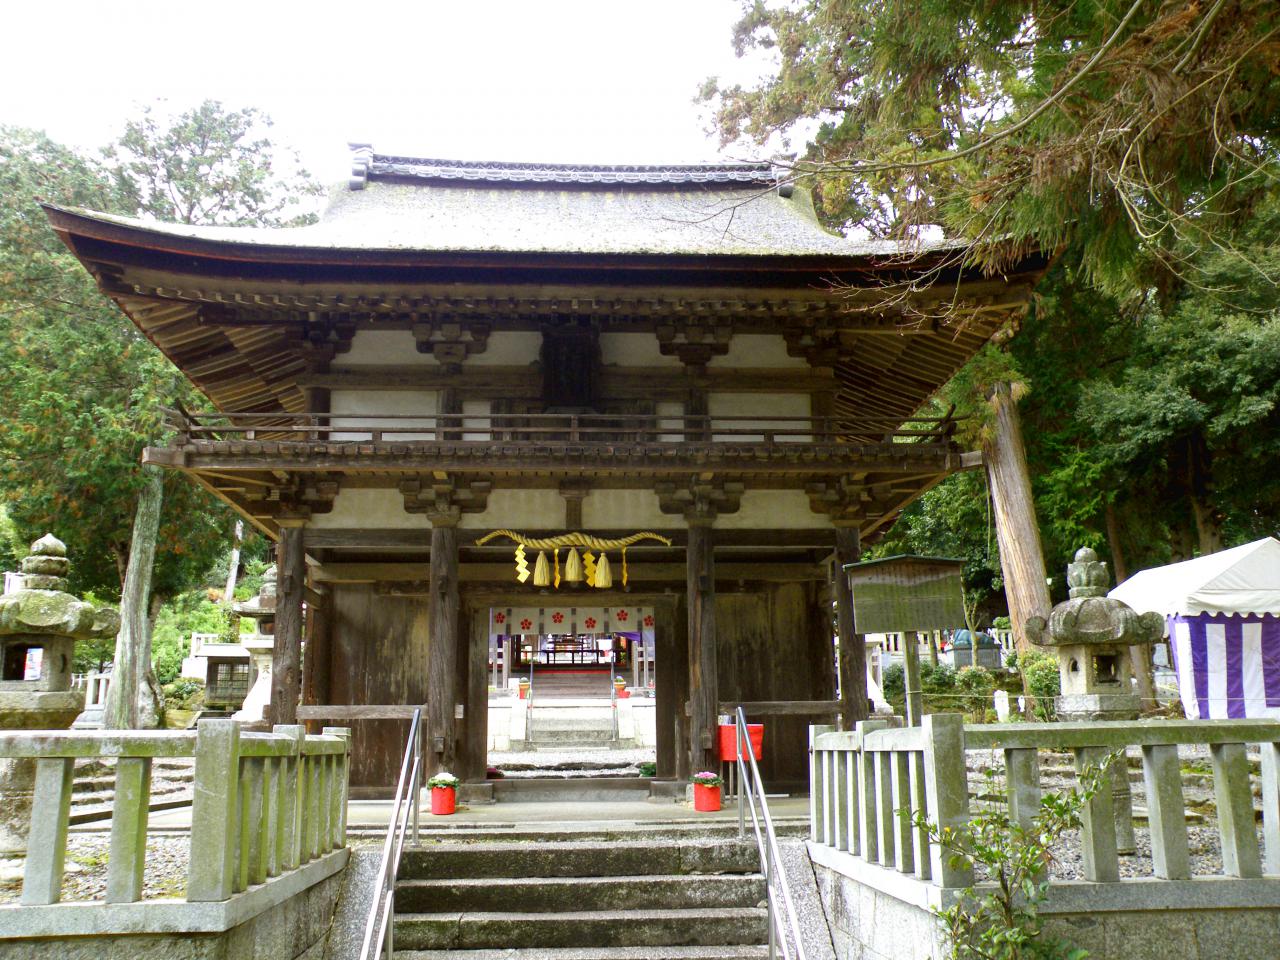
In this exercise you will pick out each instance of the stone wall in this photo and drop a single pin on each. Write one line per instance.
(884, 914)
(284, 923)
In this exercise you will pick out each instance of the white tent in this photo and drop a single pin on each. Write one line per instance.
(1223, 616)
(1243, 580)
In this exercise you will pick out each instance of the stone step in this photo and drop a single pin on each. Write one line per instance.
(600, 928)
(580, 858)
(551, 894)
(737, 952)
(107, 796)
(664, 831)
(570, 789)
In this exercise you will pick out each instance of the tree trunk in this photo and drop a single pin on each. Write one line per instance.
(233, 568)
(1208, 533)
(853, 649)
(1018, 534)
(1139, 656)
(129, 678)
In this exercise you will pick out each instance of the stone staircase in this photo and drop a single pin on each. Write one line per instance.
(661, 896)
(93, 789)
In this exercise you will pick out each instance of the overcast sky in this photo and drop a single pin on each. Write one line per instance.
(576, 80)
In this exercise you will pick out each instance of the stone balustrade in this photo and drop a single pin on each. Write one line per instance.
(265, 804)
(861, 779)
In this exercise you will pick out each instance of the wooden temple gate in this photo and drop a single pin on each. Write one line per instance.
(458, 348)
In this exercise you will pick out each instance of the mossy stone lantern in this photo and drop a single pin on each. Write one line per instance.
(261, 646)
(907, 595)
(39, 626)
(1091, 634)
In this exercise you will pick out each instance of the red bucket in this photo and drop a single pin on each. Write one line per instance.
(706, 799)
(729, 749)
(443, 800)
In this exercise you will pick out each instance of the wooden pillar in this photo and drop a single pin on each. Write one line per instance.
(669, 693)
(853, 651)
(317, 664)
(442, 649)
(286, 656)
(679, 667)
(473, 654)
(704, 690)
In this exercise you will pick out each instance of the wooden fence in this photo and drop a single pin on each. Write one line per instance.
(265, 804)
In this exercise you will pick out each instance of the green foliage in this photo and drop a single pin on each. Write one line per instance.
(1040, 673)
(185, 614)
(1022, 124)
(999, 919)
(894, 681)
(209, 165)
(937, 678)
(183, 693)
(976, 684)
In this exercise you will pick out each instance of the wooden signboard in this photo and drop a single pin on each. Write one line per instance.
(899, 594)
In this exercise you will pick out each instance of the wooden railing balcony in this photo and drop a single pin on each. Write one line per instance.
(556, 429)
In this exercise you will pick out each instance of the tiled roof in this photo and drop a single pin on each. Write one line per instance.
(381, 166)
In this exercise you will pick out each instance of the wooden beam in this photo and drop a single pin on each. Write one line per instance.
(499, 573)
(359, 711)
(782, 708)
(418, 539)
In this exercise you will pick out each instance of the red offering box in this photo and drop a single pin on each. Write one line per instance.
(755, 735)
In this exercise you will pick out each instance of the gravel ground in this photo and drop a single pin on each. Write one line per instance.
(165, 874)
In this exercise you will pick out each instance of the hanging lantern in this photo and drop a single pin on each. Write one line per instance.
(542, 571)
(603, 579)
(522, 565)
(573, 567)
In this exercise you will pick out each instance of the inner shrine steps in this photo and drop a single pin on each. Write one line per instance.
(550, 683)
(659, 896)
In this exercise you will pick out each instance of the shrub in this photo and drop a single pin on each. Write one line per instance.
(183, 694)
(1001, 623)
(939, 678)
(894, 681)
(1040, 673)
(976, 684)
(648, 769)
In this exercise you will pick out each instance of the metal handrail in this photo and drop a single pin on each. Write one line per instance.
(750, 795)
(378, 929)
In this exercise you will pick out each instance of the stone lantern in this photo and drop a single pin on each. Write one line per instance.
(39, 626)
(260, 644)
(1091, 634)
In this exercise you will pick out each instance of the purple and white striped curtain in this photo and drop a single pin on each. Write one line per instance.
(1228, 666)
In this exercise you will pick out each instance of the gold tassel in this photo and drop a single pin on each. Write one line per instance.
(573, 567)
(541, 571)
(522, 565)
(604, 579)
(589, 567)
(556, 553)
(624, 566)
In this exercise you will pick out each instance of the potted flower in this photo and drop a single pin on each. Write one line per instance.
(444, 793)
(706, 791)
(524, 688)
(620, 688)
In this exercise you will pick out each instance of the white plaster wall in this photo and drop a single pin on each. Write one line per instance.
(759, 405)
(477, 429)
(629, 509)
(759, 350)
(419, 405)
(508, 348)
(383, 347)
(370, 509)
(634, 350)
(763, 509)
(519, 509)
